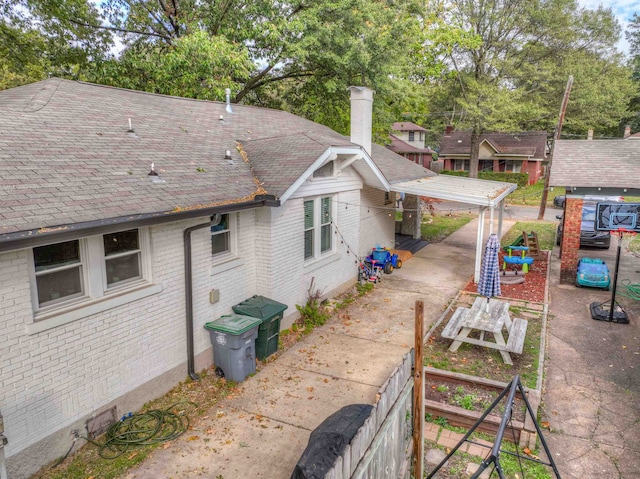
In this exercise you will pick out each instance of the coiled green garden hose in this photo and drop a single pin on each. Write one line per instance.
(632, 290)
(142, 429)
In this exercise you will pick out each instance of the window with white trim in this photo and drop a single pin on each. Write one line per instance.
(223, 237)
(318, 229)
(513, 166)
(59, 273)
(86, 269)
(411, 136)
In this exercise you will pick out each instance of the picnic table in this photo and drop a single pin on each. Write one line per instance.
(488, 324)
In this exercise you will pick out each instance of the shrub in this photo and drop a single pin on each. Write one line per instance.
(522, 179)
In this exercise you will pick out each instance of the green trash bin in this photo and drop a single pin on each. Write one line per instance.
(233, 338)
(271, 313)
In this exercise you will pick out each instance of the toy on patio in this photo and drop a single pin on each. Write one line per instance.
(530, 240)
(523, 260)
(384, 258)
(369, 271)
(593, 273)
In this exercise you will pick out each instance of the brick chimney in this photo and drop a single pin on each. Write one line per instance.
(361, 116)
(448, 130)
(627, 131)
(590, 134)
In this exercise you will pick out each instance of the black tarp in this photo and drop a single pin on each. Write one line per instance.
(329, 440)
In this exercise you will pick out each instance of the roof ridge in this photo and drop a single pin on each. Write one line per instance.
(197, 100)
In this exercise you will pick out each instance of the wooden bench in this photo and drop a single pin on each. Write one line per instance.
(452, 328)
(517, 333)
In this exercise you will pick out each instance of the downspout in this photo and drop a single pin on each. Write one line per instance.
(188, 283)
(260, 200)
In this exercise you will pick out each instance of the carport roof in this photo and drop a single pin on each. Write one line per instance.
(454, 188)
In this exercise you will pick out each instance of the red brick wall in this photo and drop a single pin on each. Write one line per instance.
(570, 240)
(533, 168)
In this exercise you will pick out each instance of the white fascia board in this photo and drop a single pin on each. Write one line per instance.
(322, 159)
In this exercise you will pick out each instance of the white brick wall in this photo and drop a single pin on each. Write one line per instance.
(377, 221)
(56, 378)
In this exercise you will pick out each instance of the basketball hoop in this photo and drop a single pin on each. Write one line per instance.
(610, 310)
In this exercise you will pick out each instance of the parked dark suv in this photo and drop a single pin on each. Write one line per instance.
(588, 234)
(559, 200)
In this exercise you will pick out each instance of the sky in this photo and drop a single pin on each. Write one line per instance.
(623, 9)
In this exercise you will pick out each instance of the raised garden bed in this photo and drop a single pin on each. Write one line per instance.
(462, 399)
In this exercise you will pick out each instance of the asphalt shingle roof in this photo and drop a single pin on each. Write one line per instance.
(596, 163)
(66, 155)
(532, 143)
(406, 126)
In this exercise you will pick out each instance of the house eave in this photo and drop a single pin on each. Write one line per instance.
(43, 236)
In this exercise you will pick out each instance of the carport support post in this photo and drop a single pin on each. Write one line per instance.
(500, 218)
(476, 274)
(418, 393)
(491, 221)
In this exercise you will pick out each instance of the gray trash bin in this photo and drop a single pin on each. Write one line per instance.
(233, 338)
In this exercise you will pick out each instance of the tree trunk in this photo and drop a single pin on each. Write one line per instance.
(475, 152)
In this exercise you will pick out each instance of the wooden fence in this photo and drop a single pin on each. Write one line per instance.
(382, 447)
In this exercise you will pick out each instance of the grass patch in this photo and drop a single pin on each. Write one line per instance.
(532, 195)
(634, 245)
(546, 231)
(436, 228)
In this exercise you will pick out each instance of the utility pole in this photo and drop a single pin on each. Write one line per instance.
(556, 136)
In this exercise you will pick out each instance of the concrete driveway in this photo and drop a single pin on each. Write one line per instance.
(591, 396)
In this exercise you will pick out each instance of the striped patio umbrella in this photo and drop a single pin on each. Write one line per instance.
(489, 282)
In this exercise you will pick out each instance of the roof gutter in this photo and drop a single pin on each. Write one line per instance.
(57, 234)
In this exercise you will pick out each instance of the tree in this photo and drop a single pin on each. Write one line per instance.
(513, 77)
(39, 39)
(298, 56)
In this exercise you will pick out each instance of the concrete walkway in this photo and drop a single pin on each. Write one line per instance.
(591, 396)
(263, 430)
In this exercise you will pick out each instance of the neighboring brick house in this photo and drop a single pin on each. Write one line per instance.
(407, 139)
(98, 307)
(593, 168)
(501, 152)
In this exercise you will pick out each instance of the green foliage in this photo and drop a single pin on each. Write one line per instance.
(312, 315)
(520, 178)
(441, 421)
(442, 388)
(364, 288)
(42, 38)
(466, 401)
(513, 78)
